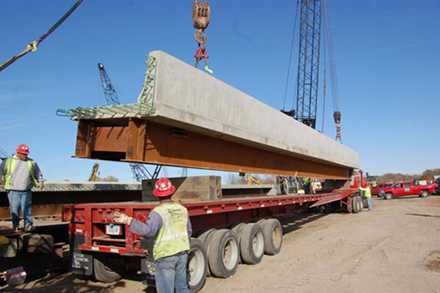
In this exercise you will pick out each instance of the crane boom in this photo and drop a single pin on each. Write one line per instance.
(308, 62)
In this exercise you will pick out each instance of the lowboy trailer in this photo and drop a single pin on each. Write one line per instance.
(226, 232)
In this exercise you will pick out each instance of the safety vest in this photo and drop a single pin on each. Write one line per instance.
(9, 171)
(172, 237)
(306, 182)
(367, 192)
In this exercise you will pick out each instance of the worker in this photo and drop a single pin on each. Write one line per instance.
(19, 174)
(306, 184)
(366, 189)
(169, 226)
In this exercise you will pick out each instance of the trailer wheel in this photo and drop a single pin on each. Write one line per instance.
(388, 195)
(360, 204)
(273, 236)
(424, 193)
(355, 204)
(237, 229)
(197, 265)
(252, 243)
(223, 253)
(261, 222)
(206, 238)
(108, 269)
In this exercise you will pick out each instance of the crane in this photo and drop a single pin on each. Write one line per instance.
(311, 14)
(140, 172)
(94, 173)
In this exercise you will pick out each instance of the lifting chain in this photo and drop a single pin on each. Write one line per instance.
(201, 19)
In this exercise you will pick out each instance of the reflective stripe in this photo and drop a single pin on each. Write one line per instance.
(165, 218)
(172, 236)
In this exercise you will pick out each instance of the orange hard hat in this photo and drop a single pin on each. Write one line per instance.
(163, 187)
(22, 149)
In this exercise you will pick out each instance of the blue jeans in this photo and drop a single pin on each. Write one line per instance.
(23, 200)
(370, 204)
(171, 273)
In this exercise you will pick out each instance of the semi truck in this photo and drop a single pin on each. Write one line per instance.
(227, 231)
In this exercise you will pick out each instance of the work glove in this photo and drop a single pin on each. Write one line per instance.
(4, 240)
(121, 218)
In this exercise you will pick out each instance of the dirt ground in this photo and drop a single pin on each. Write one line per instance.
(395, 248)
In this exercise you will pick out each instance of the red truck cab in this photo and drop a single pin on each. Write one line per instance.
(408, 188)
(376, 190)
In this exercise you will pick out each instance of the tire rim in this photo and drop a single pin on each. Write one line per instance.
(230, 253)
(196, 266)
(258, 244)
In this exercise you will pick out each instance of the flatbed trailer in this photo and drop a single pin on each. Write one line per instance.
(225, 233)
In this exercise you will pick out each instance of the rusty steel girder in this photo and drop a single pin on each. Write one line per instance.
(151, 142)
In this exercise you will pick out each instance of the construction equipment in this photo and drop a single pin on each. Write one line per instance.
(140, 172)
(311, 14)
(94, 173)
(252, 179)
(32, 46)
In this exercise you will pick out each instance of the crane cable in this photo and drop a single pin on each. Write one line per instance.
(32, 47)
(290, 56)
(333, 77)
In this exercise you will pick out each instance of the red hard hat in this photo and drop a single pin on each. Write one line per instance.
(163, 187)
(22, 149)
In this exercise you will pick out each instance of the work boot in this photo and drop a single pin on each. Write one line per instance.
(29, 228)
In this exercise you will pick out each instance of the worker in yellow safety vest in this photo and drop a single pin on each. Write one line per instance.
(367, 194)
(306, 185)
(18, 175)
(169, 226)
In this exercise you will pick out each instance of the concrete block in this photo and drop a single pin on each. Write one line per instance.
(37, 243)
(188, 188)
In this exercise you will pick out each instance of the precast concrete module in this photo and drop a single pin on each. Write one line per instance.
(195, 120)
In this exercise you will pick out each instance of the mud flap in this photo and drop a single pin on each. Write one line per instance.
(81, 263)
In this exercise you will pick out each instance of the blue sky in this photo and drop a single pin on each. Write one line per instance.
(387, 60)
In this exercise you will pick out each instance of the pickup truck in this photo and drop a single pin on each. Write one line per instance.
(376, 190)
(408, 188)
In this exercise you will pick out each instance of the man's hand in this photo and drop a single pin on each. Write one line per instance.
(41, 185)
(121, 218)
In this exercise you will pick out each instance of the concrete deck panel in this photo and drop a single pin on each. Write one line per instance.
(187, 97)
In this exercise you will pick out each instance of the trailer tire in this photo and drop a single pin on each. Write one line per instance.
(360, 204)
(388, 195)
(107, 271)
(206, 238)
(355, 204)
(237, 229)
(197, 265)
(223, 253)
(261, 222)
(424, 193)
(252, 243)
(273, 236)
